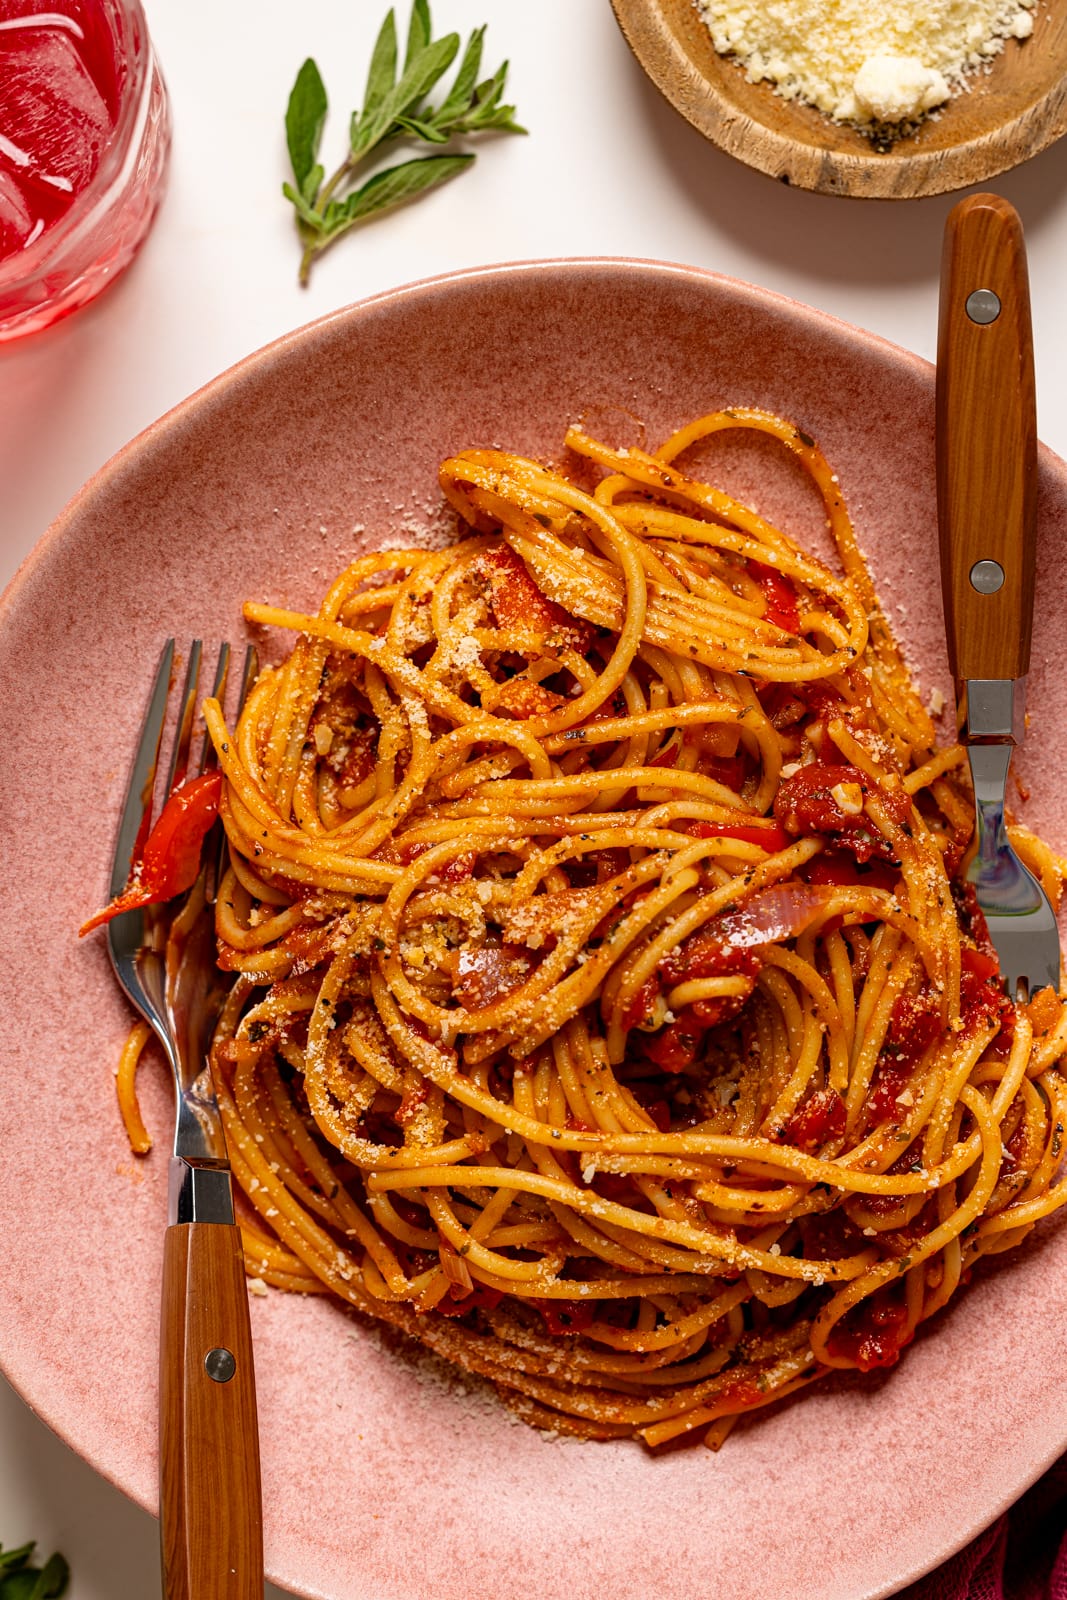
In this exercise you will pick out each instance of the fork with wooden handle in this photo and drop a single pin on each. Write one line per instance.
(163, 956)
(986, 493)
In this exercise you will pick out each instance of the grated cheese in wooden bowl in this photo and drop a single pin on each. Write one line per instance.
(867, 62)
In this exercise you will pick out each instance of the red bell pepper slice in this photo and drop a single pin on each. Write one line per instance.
(874, 1333)
(565, 1316)
(983, 998)
(171, 857)
(481, 1297)
(771, 837)
(839, 869)
(781, 596)
(822, 1116)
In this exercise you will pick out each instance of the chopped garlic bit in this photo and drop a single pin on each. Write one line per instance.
(849, 797)
(323, 738)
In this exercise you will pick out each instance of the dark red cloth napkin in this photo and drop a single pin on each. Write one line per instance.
(1023, 1556)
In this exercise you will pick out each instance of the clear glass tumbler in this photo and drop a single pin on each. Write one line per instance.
(84, 136)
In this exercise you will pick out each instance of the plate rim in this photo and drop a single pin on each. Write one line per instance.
(215, 390)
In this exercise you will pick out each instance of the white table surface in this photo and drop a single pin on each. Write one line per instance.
(608, 169)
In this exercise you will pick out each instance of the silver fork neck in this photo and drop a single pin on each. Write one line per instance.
(199, 1192)
(991, 710)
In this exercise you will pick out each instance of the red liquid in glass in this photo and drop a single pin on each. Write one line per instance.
(60, 84)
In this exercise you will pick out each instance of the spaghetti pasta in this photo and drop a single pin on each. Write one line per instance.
(610, 1015)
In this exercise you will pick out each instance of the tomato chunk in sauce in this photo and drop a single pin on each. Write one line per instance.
(816, 1120)
(818, 798)
(874, 1333)
(517, 601)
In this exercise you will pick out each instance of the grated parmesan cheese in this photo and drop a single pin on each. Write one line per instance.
(466, 653)
(871, 62)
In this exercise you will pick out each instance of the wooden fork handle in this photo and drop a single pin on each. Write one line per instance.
(986, 441)
(210, 1506)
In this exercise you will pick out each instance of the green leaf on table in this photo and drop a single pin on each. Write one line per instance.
(423, 130)
(381, 76)
(55, 1577)
(20, 1581)
(394, 109)
(458, 98)
(486, 112)
(12, 1559)
(305, 212)
(304, 118)
(420, 31)
(417, 81)
(393, 187)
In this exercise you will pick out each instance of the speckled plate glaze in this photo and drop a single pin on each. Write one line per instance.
(381, 1479)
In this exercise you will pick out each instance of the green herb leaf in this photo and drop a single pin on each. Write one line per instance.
(393, 110)
(423, 130)
(394, 186)
(20, 1581)
(304, 211)
(381, 76)
(417, 81)
(459, 96)
(485, 112)
(304, 118)
(11, 1560)
(420, 31)
(55, 1577)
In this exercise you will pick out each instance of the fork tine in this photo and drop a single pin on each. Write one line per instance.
(137, 807)
(222, 667)
(215, 852)
(179, 761)
(208, 758)
(248, 676)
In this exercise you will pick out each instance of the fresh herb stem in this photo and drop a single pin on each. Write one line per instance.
(19, 1580)
(395, 107)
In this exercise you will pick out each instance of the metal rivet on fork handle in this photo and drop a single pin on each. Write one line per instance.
(220, 1365)
(987, 576)
(983, 306)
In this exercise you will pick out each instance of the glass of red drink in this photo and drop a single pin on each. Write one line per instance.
(84, 135)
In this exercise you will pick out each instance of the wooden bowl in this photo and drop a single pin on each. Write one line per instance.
(1016, 109)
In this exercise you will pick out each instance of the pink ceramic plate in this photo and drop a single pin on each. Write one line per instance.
(381, 1479)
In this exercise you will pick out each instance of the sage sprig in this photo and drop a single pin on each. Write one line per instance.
(19, 1580)
(395, 107)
